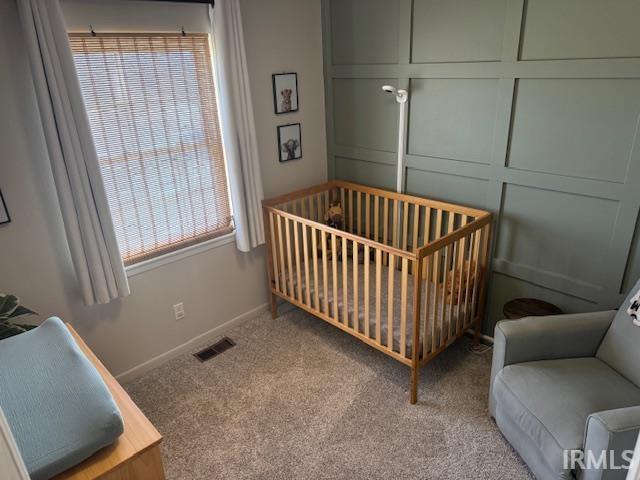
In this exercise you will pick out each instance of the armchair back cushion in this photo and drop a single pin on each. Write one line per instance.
(620, 348)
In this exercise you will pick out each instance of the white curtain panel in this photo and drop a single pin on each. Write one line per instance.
(85, 211)
(237, 123)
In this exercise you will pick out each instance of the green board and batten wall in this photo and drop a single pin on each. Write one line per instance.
(527, 108)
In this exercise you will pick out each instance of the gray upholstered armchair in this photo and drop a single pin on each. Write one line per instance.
(568, 383)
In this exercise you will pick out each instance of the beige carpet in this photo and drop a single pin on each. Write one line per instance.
(298, 399)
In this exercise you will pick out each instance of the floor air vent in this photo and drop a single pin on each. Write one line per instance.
(222, 345)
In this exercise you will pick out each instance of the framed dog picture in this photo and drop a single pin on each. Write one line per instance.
(285, 92)
(289, 142)
(4, 213)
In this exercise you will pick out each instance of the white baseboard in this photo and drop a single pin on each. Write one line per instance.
(189, 345)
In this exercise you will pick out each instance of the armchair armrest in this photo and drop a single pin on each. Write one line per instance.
(611, 431)
(547, 338)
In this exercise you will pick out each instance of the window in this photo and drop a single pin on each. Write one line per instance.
(152, 109)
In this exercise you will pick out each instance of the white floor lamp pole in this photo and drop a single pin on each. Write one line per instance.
(401, 97)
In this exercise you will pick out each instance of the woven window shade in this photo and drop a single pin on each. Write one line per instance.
(152, 109)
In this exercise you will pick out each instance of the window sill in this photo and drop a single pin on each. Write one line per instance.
(186, 252)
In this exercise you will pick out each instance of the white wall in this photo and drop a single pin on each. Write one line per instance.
(215, 286)
(286, 36)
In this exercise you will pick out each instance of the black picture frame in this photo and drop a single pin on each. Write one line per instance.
(287, 154)
(277, 80)
(4, 213)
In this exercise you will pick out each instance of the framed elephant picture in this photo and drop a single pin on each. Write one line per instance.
(285, 92)
(289, 142)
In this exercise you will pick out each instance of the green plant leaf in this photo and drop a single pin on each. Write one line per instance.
(8, 305)
(21, 311)
(9, 330)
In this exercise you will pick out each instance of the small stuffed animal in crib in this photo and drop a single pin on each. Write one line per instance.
(455, 283)
(334, 216)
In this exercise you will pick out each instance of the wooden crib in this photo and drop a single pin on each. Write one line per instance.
(404, 274)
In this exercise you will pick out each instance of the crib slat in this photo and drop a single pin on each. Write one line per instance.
(426, 234)
(327, 204)
(405, 226)
(334, 263)
(359, 212)
(465, 262)
(319, 208)
(274, 254)
(483, 262)
(325, 274)
(283, 268)
(385, 227)
(451, 328)
(296, 243)
(415, 230)
(436, 276)
(417, 304)
(305, 251)
(463, 272)
(367, 215)
(366, 287)
(355, 287)
(314, 253)
(438, 234)
(345, 283)
(445, 286)
(396, 221)
(429, 324)
(463, 222)
(390, 302)
(403, 307)
(350, 203)
(342, 203)
(287, 233)
(378, 292)
(468, 304)
(376, 218)
(427, 224)
(474, 298)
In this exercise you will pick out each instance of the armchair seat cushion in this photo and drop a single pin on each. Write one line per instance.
(543, 406)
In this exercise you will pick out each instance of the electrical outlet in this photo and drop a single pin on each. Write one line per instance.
(178, 311)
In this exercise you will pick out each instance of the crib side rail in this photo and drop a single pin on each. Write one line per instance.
(455, 267)
(409, 199)
(388, 249)
(342, 278)
(298, 194)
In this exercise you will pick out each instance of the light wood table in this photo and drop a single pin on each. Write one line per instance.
(136, 453)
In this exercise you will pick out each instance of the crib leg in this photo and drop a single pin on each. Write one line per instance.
(273, 303)
(414, 385)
